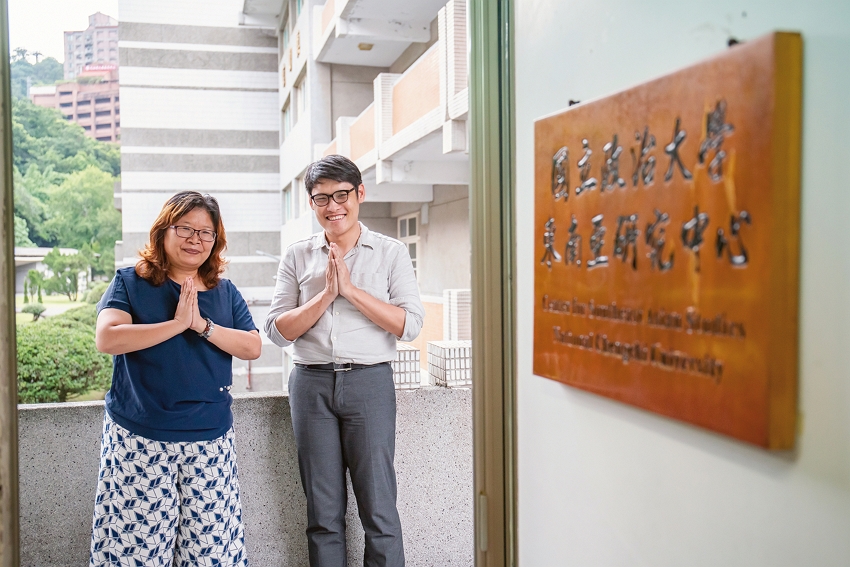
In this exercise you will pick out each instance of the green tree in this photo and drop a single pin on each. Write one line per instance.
(34, 309)
(58, 358)
(36, 281)
(66, 272)
(32, 191)
(44, 72)
(43, 137)
(26, 292)
(82, 216)
(22, 237)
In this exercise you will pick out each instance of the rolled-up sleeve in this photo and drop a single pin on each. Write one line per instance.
(285, 296)
(404, 293)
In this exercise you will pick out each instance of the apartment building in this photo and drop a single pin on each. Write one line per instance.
(98, 43)
(385, 84)
(92, 101)
(199, 95)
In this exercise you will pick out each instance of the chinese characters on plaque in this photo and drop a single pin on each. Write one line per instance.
(667, 220)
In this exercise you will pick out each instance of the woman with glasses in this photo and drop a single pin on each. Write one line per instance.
(168, 492)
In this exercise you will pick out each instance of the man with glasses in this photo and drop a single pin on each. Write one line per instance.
(344, 296)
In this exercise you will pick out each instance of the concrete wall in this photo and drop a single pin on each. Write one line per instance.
(602, 483)
(59, 457)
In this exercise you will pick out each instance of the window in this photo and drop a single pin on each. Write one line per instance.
(285, 122)
(284, 36)
(300, 95)
(408, 233)
(286, 204)
(102, 126)
(298, 5)
(103, 113)
(101, 100)
(65, 104)
(303, 205)
(84, 115)
(83, 102)
(104, 139)
(87, 128)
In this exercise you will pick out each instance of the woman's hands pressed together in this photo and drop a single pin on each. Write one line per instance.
(188, 313)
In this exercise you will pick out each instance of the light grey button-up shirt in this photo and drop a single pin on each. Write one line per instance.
(380, 266)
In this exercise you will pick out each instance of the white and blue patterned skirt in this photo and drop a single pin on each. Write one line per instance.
(166, 503)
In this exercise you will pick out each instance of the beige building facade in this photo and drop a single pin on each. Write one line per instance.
(92, 101)
(98, 43)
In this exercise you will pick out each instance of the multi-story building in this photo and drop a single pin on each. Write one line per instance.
(92, 101)
(384, 84)
(199, 103)
(98, 43)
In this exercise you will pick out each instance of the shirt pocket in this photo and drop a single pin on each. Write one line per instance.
(373, 283)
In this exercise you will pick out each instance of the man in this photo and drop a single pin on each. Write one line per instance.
(344, 296)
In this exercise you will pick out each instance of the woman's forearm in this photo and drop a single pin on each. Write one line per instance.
(245, 345)
(129, 337)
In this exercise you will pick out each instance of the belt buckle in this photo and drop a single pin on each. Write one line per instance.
(342, 367)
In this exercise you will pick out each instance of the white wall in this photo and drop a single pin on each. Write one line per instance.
(602, 483)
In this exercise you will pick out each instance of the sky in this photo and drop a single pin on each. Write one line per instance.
(38, 25)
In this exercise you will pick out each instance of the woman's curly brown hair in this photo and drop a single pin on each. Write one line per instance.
(153, 266)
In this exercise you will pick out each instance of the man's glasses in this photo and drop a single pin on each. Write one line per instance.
(322, 199)
(189, 232)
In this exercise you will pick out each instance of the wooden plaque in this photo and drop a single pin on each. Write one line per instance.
(667, 227)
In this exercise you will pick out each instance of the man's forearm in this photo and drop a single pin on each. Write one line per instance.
(295, 322)
(388, 317)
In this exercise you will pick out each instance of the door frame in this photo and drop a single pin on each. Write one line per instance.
(9, 514)
(492, 222)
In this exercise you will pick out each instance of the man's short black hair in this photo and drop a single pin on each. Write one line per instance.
(332, 168)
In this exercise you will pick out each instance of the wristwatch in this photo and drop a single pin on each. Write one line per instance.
(208, 329)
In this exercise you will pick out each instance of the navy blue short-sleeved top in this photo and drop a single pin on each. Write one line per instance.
(176, 390)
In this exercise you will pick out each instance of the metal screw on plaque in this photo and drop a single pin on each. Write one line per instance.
(549, 244)
(573, 250)
(672, 150)
(692, 233)
(740, 259)
(655, 239)
(597, 241)
(626, 238)
(716, 130)
(561, 174)
(644, 163)
(611, 166)
(587, 182)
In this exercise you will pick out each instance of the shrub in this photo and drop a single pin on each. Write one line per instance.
(34, 309)
(94, 294)
(86, 314)
(57, 359)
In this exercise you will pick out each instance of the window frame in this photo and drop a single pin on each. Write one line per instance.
(408, 239)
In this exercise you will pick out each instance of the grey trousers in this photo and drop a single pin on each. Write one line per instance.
(347, 420)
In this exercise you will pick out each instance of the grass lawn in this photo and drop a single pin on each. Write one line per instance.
(89, 396)
(49, 300)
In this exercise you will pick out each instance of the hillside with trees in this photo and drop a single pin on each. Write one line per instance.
(64, 186)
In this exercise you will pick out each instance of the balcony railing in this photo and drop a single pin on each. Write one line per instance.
(431, 98)
(59, 455)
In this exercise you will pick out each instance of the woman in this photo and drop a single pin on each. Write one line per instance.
(168, 490)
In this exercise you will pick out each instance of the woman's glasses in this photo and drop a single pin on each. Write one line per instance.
(189, 232)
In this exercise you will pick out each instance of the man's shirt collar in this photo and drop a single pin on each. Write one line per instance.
(366, 238)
